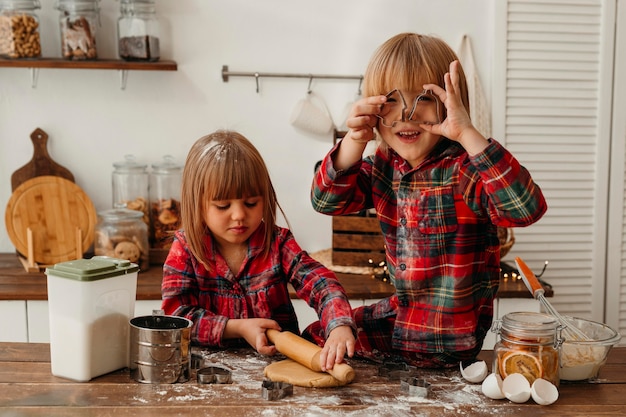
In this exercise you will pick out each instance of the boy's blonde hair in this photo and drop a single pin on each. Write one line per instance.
(223, 165)
(409, 60)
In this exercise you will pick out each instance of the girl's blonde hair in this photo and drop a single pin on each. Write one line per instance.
(409, 60)
(223, 165)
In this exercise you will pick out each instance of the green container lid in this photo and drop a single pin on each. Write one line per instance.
(98, 267)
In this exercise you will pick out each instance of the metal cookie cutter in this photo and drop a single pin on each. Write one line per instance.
(197, 361)
(214, 375)
(276, 390)
(415, 387)
(396, 370)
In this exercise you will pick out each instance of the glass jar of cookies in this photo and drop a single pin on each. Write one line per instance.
(130, 186)
(165, 184)
(138, 31)
(78, 20)
(529, 345)
(19, 29)
(121, 233)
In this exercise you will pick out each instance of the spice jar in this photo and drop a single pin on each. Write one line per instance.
(529, 344)
(130, 186)
(19, 29)
(138, 31)
(165, 183)
(121, 233)
(77, 22)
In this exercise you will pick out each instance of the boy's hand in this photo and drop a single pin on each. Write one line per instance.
(457, 124)
(362, 118)
(340, 342)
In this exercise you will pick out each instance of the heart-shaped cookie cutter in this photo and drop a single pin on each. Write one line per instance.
(273, 391)
(214, 375)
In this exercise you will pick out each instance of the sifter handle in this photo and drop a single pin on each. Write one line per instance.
(529, 278)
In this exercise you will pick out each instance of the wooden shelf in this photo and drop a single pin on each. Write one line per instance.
(102, 64)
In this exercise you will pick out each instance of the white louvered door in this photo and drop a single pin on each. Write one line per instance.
(616, 259)
(552, 109)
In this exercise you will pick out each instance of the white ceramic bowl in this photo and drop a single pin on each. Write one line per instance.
(582, 360)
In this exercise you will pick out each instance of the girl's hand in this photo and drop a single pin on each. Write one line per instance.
(362, 119)
(340, 342)
(457, 124)
(253, 331)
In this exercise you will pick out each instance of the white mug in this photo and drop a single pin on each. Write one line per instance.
(312, 115)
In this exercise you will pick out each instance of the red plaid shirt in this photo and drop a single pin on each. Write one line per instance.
(439, 221)
(258, 291)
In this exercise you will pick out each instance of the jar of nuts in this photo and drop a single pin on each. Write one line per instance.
(130, 186)
(77, 21)
(19, 29)
(138, 31)
(165, 182)
(121, 233)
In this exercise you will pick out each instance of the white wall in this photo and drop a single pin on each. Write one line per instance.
(93, 123)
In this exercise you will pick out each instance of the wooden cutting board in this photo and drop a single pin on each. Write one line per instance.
(53, 208)
(40, 164)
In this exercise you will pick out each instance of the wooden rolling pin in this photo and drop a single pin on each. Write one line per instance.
(307, 354)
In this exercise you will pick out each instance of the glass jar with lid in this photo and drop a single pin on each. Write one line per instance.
(130, 186)
(529, 344)
(165, 184)
(19, 29)
(138, 31)
(77, 21)
(121, 233)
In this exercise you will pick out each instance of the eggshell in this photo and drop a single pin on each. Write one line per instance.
(475, 372)
(492, 387)
(516, 388)
(544, 392)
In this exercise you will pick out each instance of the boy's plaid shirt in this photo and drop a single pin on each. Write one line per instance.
(439, 222)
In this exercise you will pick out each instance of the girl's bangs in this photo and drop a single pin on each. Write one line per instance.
(234, 178)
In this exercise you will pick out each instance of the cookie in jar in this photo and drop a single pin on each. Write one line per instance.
(121, 233)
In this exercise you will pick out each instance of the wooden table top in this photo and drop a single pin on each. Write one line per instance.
(17, 284)
(27, 388)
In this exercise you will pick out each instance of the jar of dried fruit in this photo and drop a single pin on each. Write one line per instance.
(121, 233)
(130, 186)
(138, 31)
(19, 29)
(529, 345)
(77, 21)
(165, 182)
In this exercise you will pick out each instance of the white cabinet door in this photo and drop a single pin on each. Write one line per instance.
(145, 307)
(38, 321)
(13, 328)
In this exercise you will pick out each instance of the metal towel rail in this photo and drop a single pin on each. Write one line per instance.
(226, 73)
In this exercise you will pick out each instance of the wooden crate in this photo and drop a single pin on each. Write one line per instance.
(357, 240)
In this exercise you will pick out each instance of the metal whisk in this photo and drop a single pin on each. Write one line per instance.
(569, 331)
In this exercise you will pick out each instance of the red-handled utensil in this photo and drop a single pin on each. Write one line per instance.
(570, 331)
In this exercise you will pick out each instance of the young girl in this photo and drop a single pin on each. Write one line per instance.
(228, 268)
(440, 190)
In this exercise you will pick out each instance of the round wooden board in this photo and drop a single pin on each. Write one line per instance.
(53, 208)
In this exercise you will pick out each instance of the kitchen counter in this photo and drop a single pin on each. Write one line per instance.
(17, 284)
(27, 388)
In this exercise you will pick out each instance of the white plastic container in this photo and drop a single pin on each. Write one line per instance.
(90, 303)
